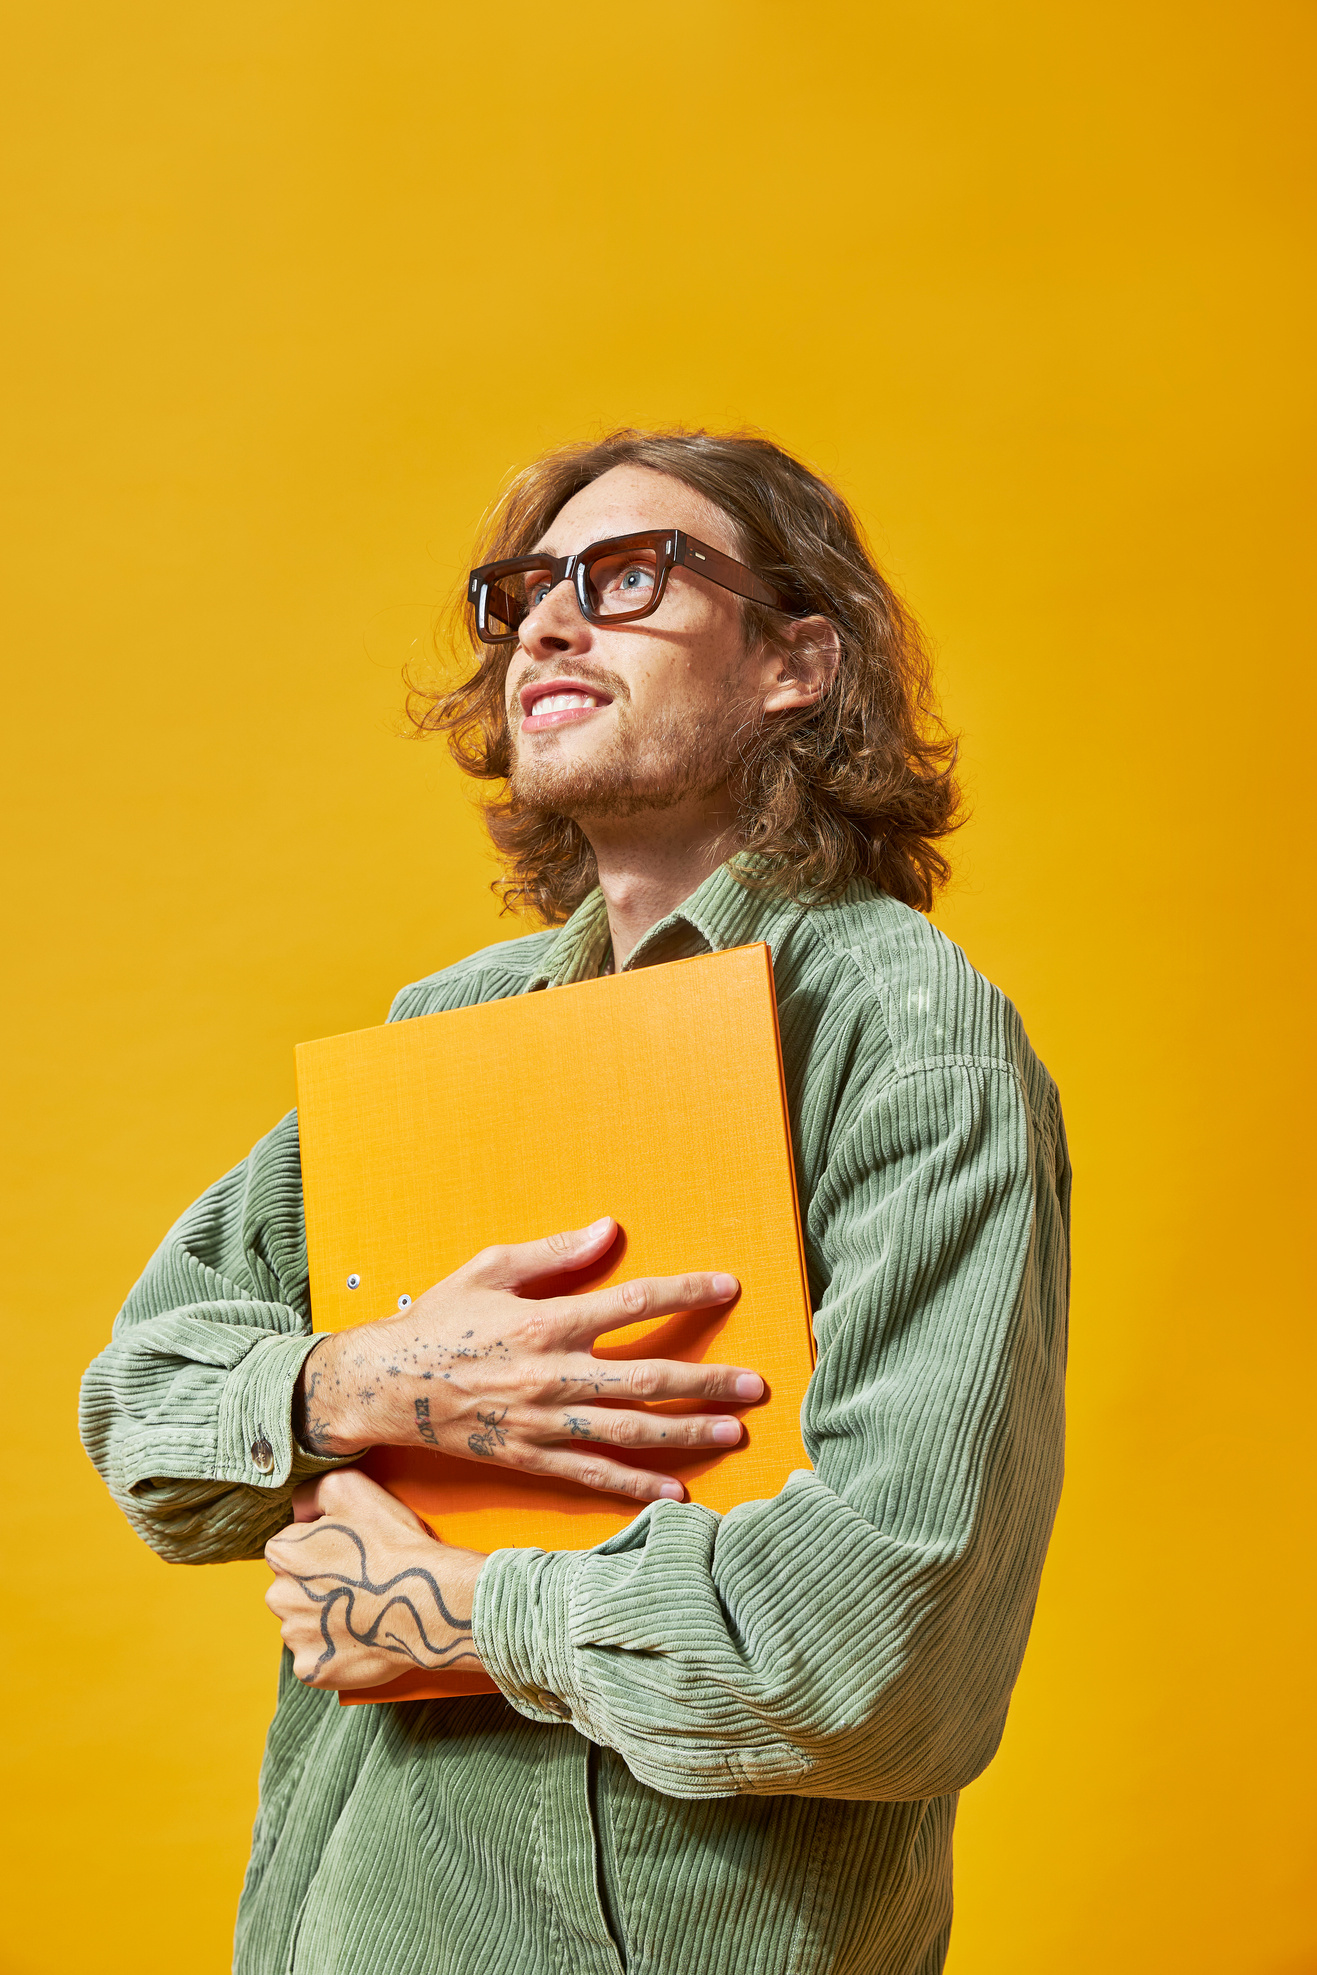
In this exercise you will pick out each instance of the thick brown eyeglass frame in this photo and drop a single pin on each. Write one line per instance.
(671, 548)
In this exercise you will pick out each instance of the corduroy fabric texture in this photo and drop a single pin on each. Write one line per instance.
(727, 1744)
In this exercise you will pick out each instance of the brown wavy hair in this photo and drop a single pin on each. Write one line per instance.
(860, 784)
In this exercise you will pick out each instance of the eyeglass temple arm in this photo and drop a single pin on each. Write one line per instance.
(730, 575)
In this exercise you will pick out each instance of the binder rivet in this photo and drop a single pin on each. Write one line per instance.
(354, 1282)
(404, 1302)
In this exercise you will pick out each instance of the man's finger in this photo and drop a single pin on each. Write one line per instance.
(349, 1496)
(601, 1310)
(306, 1500)
(279, 1551)
(285, 1597)
(596, 1471)
(344, 1492)
(517, 1263)
(672, 1432)
(646, 1381)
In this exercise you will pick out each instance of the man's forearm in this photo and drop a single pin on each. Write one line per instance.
(209, 1483)
(186, 1412)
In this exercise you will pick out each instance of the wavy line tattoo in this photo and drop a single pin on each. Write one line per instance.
(343, 1592)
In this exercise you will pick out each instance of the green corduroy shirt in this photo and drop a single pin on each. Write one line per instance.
(721, 1744)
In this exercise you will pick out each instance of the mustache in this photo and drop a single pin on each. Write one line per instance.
(589, 675)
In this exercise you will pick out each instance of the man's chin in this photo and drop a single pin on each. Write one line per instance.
(621, 778)
(591, 798)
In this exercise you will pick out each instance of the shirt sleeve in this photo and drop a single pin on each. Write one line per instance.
(858, 1635)
(187, 1413)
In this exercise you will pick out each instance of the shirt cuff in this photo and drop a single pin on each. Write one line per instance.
(254, 1431)
(520, 1626)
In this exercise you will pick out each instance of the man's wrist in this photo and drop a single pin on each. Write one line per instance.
(321, 1424)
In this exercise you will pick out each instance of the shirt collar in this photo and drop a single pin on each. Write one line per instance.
(723, 912)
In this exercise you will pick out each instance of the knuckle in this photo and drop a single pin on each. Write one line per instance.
(540, 1326)
(694, 1289)
(623, 1429)
(646, 1380)
(513, 1450)
(559, 1244)
(634, 1297)
(489, 1262)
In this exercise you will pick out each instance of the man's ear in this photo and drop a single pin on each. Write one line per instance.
(801, 664)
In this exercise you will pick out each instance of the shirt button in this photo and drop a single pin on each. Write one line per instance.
(262, 1454)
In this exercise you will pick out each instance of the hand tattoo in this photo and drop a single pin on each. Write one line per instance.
(493, 1435)
(580, 1427)
(336, 1590)
(310, 1433)
(424, 1425)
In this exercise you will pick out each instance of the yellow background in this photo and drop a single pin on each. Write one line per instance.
(292, 286)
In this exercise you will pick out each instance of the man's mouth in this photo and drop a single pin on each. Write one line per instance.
(559, 702)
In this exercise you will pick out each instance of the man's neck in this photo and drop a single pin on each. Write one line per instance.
(648, 864)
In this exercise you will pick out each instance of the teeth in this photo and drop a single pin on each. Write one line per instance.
(563, 702)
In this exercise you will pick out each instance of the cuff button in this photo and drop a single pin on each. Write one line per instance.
(262, 1454)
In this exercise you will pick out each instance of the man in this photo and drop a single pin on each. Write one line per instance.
(720, 1744)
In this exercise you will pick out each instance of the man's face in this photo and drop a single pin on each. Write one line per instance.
(614, 721)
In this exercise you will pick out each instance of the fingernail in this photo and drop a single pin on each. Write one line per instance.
(728, 1432)
(671, 1491)
(749, 1386)
(725, 1285)
(597, 1227)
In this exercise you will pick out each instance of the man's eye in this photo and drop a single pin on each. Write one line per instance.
(623, 582)
(537, 593)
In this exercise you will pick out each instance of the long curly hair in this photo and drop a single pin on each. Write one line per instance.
(860, 784)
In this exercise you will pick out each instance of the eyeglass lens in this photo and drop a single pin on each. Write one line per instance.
(617, 583)
(622, 580)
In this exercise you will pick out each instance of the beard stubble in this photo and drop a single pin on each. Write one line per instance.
(677, 755)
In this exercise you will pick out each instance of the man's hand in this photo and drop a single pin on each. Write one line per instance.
(365, 1591)
(476, 1369)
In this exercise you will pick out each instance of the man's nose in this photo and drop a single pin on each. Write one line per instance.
(555, 624)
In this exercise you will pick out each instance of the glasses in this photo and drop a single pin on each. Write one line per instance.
(615, 581)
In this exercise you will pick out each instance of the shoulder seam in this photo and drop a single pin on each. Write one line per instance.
(994, 1065)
